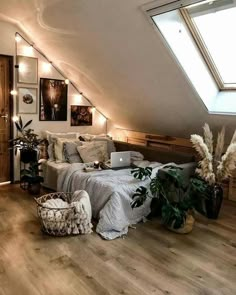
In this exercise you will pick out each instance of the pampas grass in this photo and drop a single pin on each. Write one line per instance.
(214, 167)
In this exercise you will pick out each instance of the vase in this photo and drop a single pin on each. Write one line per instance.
(27, 156)
(214, 201)
(186, 228)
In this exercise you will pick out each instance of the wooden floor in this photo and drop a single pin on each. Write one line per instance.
(150, 260)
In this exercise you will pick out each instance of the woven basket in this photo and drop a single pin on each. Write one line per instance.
(56, 221)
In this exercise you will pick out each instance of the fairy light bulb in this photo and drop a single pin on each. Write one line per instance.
(13, 92)
(15, 118)
(47, 66)
(67, 81)
(18, 38)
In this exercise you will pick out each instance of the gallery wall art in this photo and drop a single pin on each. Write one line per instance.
(53, 100)
(27, 70)
(27, 100)
(81, 115)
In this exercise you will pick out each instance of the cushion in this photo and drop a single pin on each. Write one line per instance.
(50, 135)
(110, 144)
(59, 148)
(93, 151)
(70, 152)
(51, 156)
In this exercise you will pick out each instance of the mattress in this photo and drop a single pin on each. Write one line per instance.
(51, 172)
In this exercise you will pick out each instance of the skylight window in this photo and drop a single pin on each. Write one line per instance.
(201, 36)
(213, 25)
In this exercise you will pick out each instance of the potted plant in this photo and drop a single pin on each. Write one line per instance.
(26, 141)
(176, 198)
(31, 176)
(214, 166)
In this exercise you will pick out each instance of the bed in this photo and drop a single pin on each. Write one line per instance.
(110, 192)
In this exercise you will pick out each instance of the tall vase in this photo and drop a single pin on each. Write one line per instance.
(214, 201)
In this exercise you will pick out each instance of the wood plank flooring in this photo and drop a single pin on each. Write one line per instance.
(150, 260)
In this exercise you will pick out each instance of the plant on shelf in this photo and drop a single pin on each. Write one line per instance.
(214, 166)
(31, 176)
(26, 141)
(176, 197)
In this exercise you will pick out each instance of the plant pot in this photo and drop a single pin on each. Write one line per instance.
(214, 201)
(34, 188)
(27, 156)
(186, 228)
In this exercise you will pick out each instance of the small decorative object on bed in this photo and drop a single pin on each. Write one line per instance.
(81, 115)
(214, 166)
(63, 214)
(53, 100)
(176, 197)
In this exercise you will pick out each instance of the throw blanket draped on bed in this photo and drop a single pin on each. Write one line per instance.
(110, 196)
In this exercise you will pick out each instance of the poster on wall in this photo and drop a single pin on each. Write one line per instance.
(53, 100)
(81, 115)
(27, 70)
(27, 100)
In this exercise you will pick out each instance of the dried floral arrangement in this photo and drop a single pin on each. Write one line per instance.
(215, 165)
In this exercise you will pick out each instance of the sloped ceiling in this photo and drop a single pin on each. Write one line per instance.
(111, 51)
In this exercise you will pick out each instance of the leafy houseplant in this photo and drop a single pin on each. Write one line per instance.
(214, 165)
(31, 176)
(176, 198)
(27, 142)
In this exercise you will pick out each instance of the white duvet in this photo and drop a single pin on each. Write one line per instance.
(110, 195)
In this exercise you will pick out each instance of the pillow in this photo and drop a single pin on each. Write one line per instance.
(51, 135)
(93, 151)
(110, 144)
(70, 152)
(59, 148)
(51, 156)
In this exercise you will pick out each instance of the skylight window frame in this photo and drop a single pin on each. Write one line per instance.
(204, 51)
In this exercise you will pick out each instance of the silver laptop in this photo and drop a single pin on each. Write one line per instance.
(120, 159)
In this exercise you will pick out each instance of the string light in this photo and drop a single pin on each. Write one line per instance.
(18, 38)
(15, 118)
(47, 66)
(13, 92)
(67, 81)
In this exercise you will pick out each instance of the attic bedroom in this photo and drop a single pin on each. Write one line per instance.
(117, 147)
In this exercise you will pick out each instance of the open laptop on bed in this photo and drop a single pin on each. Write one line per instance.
(119, 160)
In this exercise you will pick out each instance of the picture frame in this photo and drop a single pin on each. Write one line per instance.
(27, 70)
(53, 100)
(81, 115)
(27, 100)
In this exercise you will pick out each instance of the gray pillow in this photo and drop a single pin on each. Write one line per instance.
(71, 153)
(110, 144)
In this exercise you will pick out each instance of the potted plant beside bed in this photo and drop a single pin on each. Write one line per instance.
(31, 176)
(176, 197)
(26, 142)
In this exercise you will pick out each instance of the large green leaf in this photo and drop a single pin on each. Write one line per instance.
(139, 197)
(141, 173)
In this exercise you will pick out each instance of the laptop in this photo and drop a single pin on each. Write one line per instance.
(119, 160)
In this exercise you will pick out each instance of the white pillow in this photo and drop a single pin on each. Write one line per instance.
(50, 135)
(93, 151)
(59, 148)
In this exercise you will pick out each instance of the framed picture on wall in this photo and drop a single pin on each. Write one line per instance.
(53, 100)
(27, 100)
(27, 70)
(81, 116)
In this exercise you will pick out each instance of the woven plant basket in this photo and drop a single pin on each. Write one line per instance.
(56, 221)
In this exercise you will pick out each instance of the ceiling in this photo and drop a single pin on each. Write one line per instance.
(117, 59)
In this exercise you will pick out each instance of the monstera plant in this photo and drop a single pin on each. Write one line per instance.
(176, 197)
